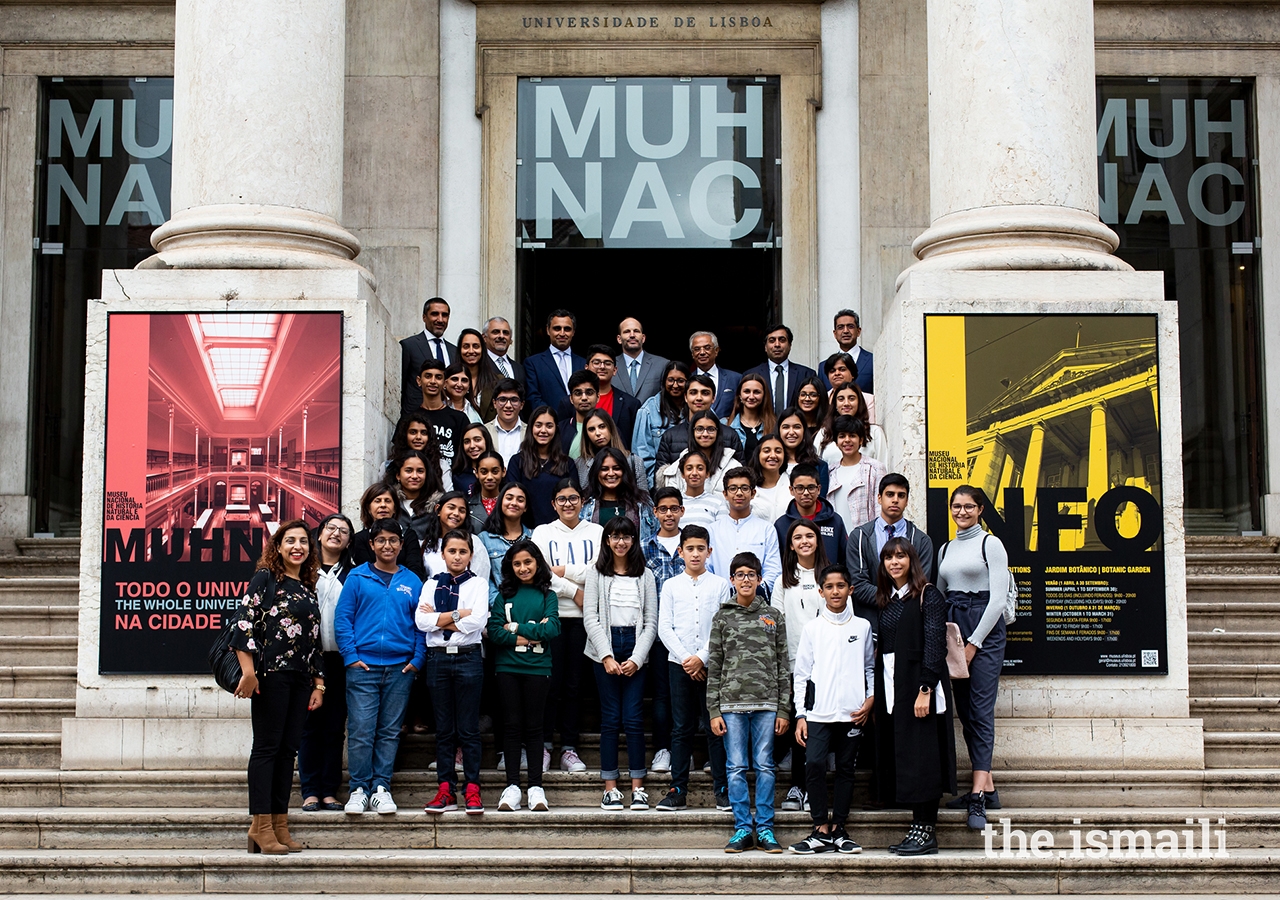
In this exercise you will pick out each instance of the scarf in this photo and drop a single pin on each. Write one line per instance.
(447, 591)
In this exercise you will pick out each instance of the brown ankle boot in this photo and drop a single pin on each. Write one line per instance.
(262, 838)
(280, 825)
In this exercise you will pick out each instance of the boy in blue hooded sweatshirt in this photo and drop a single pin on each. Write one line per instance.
(383, 651)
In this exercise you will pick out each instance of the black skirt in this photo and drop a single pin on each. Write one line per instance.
(924, 749)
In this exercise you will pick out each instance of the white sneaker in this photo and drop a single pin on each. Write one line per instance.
(546, 760)
(524, 760)
(639, 799)
(510, 801)
(612, 800)
(707, 767)
(502, 762)
(357, 803)
(795, 799)
(431, 766)
(805, 806)
(569, 762)
(661, 761)
(538, 800)
(382, 802)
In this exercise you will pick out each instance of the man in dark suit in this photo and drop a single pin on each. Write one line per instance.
(427, 344)
(848, 328)
(547, 373)
(704, 347)
(622, 408)
(639, 373)
(497, 343)
(862, 553)
(779, 372)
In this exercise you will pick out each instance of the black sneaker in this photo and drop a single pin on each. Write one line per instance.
(921, 840)
(766, 841)
(742, 839)
(841, 841)
(962, 802)
(977, 811)
(675, 800)
(816, 842)
(722, 801)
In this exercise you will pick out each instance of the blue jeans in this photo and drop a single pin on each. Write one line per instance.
(621, 706)
(454, 681)
(975, 696)
(376, 701)
(749, 742)
(688, 708)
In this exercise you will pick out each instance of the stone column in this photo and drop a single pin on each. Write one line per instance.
(1031, 475)
(1098, 478)
(1012, 171)
(257, 150)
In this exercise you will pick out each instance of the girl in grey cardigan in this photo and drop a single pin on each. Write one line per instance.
(620, 615)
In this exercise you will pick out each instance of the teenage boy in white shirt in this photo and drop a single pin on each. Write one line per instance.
(688, 603)
(834, 691)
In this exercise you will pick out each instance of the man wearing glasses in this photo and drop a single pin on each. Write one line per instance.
(506, 430)
(807, 505)
(738, 531)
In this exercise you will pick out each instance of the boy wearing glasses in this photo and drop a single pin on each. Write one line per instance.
(805, 504)
(506, 429)
(738, 531)
(685, 609)
(748, 699)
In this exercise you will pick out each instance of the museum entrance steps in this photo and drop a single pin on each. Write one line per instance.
(1233, 643)
(39, 609)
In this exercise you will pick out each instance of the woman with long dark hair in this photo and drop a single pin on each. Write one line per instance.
(540, 464)
(451, 514)
(848, 400)
(600, 431)
(769, 465)
(379, 502)
(613, 491)
(752, 416)
(414, 432)
(277, 641)
(797, 438)
(325, 730)
(708, 434)
(660, 412)
(458, 393)
(417, 485)
(811, 399)
(476, 441)
(483, 372)
(913, 644)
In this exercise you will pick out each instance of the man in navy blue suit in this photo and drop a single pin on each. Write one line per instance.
(704, 347)
(779, 372)
(848, 328)
(547, 373)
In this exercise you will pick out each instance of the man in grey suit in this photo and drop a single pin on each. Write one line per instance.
(639, 373)
(426, 344)
(862, 552)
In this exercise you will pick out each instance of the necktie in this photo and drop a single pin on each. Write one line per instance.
(439, 349)
(888, 530)
(635, 376)
(502, 365)
(779, 390)
(562, 362)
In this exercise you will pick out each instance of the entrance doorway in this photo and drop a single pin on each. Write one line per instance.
(733, 292)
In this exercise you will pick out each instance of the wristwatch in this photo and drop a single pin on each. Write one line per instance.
(925, 689)
(456, 616)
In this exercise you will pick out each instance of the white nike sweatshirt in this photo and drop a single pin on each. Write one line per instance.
(835, 653)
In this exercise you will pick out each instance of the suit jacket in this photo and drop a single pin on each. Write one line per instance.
(414, 351)
(517, 370)
(727, 391)
(796, 373)
(625, 410)
(864, 565)
(650, 376)
(543, 384)
(866, 373)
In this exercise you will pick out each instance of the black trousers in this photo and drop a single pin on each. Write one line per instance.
(925, 813)
(824, 738)
(323, 734)
(568, 662)
(524, 698)
(278, 710)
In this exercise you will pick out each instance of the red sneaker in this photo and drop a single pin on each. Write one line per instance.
(475, 806)
(443, 802)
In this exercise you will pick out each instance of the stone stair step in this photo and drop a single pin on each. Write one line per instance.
(1233, 563)
(563, 828)
(34, 714)
(225, 789)
(1254, 542)
(54, 682)
(1248, 615)
(12, 565)
(40, 590)
(1251, 680)
(1235, 648)
(33, 750)
(687, 871)
(1238, 713)
(1241, 749)
(66, 548)
(30, 618)
(1232, 588)
(38, 650)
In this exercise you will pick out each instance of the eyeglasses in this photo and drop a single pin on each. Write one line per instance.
(568, 501)
(620, 538)
(506, 401)
(705, 429)
(667, 510)
(745, 576)
(386, 541)
(738, 489)
(335, 528)
(805, 488)
(964, 507)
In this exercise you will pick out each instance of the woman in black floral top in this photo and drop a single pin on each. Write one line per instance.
(277, 641)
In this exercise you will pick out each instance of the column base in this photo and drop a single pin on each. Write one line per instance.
(252, 236)
(1004, 238)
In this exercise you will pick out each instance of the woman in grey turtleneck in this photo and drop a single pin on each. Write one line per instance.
(975, 590)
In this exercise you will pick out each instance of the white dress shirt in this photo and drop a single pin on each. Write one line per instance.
(564, 362)
(627, 364)
(505, 366)
(685, 611)
(730, 536)
(437, 343)
(714, 374)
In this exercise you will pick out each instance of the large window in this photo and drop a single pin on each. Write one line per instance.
(103, 187)
(653, 197)
(1177, 182)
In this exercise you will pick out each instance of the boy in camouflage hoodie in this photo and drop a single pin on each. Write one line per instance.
(749, 698)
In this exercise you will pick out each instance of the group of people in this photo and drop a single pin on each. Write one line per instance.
(659, 526)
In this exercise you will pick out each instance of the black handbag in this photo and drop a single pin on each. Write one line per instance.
(223, 662)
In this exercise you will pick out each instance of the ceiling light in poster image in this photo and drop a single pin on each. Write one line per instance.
(220, 426)
(1056, 420)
